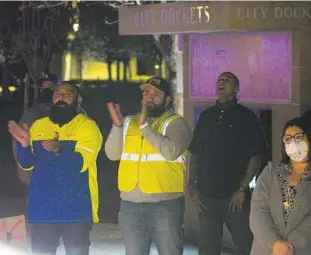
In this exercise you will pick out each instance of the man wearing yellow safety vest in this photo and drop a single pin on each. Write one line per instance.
(152, 147)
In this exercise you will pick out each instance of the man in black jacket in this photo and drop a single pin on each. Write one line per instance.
(226, 151)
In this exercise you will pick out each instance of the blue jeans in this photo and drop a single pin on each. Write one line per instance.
(76, 238)
(160, 222)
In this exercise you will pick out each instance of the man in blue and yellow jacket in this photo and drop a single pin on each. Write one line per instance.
(61, 151)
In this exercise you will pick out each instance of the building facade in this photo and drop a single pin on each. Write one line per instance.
(265, 43)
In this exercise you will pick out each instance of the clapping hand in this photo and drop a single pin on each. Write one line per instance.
(143, 114)
(111, 102)
(115, 113)
(283, 248)
(52, 145)
(19, 132)
(109, 95)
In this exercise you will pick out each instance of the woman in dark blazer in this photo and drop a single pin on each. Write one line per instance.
(280, 216)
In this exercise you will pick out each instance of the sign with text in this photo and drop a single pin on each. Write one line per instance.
(169, 17)
(277, 12)
(208, 16)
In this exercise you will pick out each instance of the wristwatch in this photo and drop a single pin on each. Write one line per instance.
(242, 188)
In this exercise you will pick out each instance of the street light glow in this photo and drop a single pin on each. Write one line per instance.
(67, 67)
(71, 37)
(75, 27)
(12, 88)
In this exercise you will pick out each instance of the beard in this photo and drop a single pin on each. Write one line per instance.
(156, 110)
(61, 113)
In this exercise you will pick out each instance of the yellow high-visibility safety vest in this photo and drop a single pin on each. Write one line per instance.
(142, 164)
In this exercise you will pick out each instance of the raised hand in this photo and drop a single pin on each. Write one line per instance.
(115, 113)
(143, 114)
(109, 95)
(20, 133)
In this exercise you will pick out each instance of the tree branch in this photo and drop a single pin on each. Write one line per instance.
(28, 68)
(164, 53)
(107, 22)
(47, 4)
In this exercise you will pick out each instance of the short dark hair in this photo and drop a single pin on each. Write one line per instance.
(49, 77)
(302, 123)
(233, 77)
(73, 85)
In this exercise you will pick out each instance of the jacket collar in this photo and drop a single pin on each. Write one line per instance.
(226, 105)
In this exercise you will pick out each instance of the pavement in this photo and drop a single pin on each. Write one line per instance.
(106, 240)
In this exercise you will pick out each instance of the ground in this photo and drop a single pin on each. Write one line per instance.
(107, 240)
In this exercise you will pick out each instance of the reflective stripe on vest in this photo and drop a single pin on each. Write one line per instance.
(151, 158)
(165, 125)
(130, 156)
(148, 157)
(126, 124)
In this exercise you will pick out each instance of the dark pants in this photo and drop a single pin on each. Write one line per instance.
(212, 222)
(144, 223)
(76, 238)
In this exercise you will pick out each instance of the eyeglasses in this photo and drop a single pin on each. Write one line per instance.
(296, 137)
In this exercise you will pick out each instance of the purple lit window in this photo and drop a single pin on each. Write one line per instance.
(262, 62)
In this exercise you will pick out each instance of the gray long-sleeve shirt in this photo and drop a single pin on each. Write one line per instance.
(170, 146)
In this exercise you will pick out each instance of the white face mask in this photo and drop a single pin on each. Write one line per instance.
(297, 151)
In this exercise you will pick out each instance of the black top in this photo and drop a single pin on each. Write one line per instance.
(225, 138)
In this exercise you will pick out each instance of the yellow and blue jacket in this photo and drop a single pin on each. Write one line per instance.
(63, 188)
